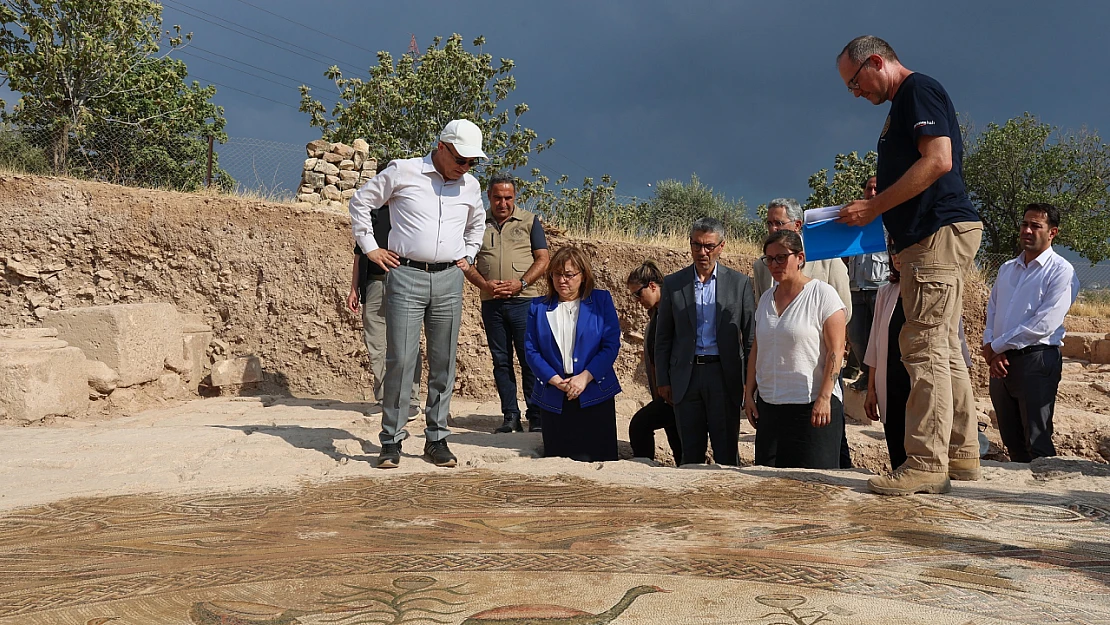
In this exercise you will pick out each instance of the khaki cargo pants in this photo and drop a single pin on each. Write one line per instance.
(940, 415)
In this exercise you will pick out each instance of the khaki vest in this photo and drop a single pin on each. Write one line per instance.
(506, 253)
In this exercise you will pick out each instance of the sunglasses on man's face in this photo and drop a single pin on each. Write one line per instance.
(469, 162)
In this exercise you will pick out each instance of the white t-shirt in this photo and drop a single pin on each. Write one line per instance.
(790, 363)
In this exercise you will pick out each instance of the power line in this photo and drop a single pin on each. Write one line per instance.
(565, 157)
(254, 95)
(305, 26)
(262, 69)
(319, 57)
(241, 71)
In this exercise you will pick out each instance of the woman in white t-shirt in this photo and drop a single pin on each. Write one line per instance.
(793, 396)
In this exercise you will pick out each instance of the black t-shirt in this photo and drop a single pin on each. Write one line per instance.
(922, 108)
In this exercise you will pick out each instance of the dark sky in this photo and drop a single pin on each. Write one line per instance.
(744, 94)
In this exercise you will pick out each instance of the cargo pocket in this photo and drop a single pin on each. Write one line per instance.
(933, 287)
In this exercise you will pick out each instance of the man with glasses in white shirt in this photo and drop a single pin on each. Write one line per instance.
(438, 219)
(1023, 334)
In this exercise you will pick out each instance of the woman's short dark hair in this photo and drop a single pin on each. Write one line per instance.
(576, 257)
(646, 273)
(787, 238)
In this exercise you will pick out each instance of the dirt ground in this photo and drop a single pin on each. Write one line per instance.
(272, 280)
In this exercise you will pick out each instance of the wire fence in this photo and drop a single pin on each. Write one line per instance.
(1094, 280)
(129, 156)
(272, 170)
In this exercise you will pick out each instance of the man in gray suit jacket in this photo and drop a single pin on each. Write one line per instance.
(704, 335)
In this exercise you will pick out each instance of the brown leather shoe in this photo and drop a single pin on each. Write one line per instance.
(964, 469)
(907, 481)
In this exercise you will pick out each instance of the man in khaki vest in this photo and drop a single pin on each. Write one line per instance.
(508, 270)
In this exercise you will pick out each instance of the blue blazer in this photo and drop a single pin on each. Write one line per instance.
(597, 339)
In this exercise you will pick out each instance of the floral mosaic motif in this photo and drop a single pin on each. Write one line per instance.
(793, 607)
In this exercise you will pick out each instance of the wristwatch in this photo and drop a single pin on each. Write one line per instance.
(523, 284)
(469, 260)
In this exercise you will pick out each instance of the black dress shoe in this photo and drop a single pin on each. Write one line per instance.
(511, 424)
(438, 454)
(534, 424)
(390, 456)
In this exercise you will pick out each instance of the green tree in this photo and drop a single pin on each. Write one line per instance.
(95, 89)
(1024, 161)
(402, 106)
(675, 205)
(850, 173)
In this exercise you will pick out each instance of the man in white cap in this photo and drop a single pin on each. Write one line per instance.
(438, 219)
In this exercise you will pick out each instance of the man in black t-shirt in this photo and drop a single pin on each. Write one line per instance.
(936, 232)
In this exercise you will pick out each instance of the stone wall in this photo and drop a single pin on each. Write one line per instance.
(334, 171)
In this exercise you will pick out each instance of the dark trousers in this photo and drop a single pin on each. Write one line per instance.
(859, 327)
(1024, 402)
(584, 434)
(657, 415)
(785, 437)
(506, 321)
(707, 411)
(895, 431)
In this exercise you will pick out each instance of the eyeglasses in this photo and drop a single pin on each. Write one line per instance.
(778, 259)
(636, 294)
(470, 162)
(566, 276)
(705, 247)
(853, 86)
(776, 224)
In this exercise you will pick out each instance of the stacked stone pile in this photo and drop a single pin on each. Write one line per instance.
(334, 171)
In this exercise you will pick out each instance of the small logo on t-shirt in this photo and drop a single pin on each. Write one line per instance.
(925, 123)
(886, 127)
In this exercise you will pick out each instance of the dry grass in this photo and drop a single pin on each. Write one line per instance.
(1092, 304)
(674, 241)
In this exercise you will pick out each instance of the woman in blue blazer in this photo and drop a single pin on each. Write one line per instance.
(571, 344)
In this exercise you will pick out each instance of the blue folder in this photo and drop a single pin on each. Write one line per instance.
(829, 239)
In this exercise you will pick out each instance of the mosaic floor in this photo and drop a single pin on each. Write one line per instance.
(483, 548)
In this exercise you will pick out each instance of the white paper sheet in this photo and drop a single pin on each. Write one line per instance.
(821, 215)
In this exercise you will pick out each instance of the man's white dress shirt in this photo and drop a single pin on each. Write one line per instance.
(1029, 301)
(432, 220)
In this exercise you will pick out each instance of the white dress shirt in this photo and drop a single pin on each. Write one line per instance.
(1029, 301)
(432, 220)
(563, 320)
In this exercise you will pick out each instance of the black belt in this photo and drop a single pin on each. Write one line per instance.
(429, 267)
(1030, 349)
(706, 359)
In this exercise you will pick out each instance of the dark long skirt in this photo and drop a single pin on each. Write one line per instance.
(584, 434)
(785, 438)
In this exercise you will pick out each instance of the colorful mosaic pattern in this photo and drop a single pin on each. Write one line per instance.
(479, 548)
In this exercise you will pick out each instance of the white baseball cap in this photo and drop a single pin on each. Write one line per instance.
(465, 137)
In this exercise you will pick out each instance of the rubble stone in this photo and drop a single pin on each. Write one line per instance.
(236, 371)
(317, 148)
(102, 378)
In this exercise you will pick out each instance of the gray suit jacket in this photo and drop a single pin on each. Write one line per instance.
(677, 320)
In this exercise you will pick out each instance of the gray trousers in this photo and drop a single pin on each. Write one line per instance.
(708, 412)
(414, 297)
(373, 335)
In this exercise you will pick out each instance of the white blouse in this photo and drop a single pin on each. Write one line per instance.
(563, 320)
(791, 352)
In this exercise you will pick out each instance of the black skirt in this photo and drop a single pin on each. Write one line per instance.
(583, 434)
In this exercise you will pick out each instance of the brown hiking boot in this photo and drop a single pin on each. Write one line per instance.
(907, 481)
(964, 469)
